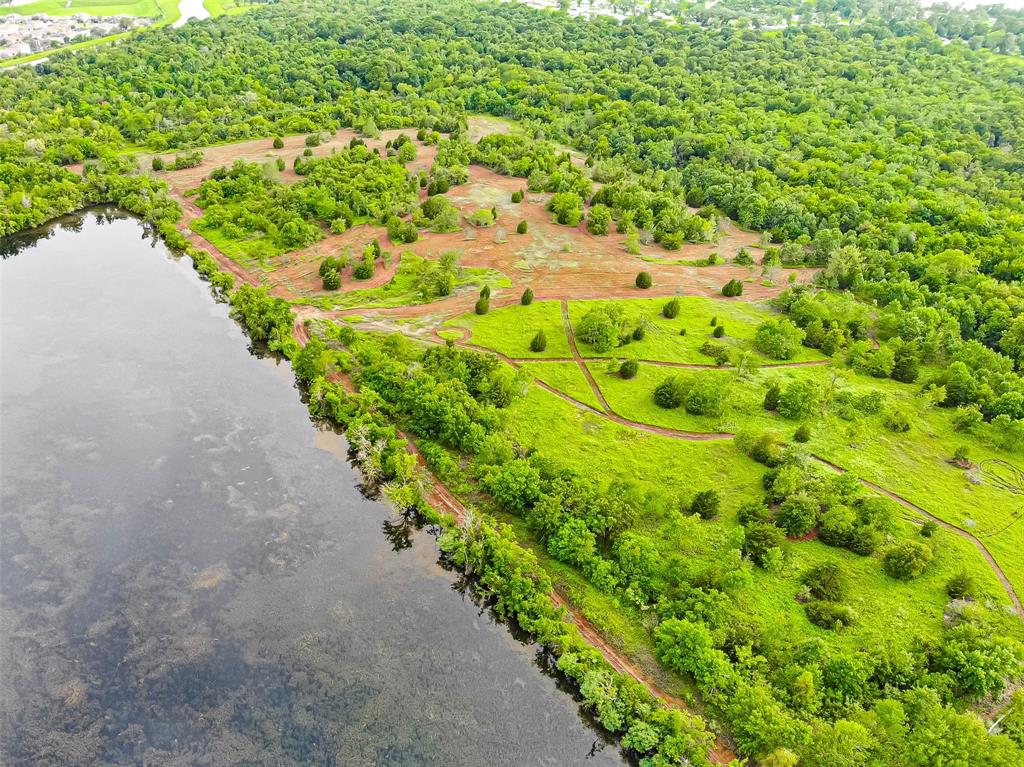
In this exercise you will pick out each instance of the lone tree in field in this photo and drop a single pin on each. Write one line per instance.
(527, 298)
(539, 342)
(671, 309)
(644, 280)
(628, 369)
(483, 305)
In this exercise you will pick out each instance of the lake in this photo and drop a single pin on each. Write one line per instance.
(189, 573)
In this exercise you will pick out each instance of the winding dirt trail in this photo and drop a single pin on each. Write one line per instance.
(1007, 586)
(605, 284)
(676, 434)
(669, 364)
(564, 304)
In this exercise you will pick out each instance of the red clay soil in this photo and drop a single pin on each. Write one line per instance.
(557, 261)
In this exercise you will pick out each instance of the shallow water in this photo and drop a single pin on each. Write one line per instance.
(189, 574)
(190, 9)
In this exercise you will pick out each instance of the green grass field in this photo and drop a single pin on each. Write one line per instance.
(886, 608)
(566, 377)
(914, 464)
(151, 8)
(663, 341)
(510, 329)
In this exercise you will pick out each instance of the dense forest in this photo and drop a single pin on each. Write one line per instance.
(887, 150)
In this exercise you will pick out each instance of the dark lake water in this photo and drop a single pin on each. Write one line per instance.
(189, 574)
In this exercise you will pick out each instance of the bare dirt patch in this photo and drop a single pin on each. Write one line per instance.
(556, 261)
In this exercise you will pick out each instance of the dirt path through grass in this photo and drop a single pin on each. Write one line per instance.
(1007, 586)
(677, 434)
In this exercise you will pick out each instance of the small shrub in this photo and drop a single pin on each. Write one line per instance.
(829, 615)
(682, 332)
(750, 512)
(907, 559)
(517, 196)
(363, 270)
(158, 163)
(759, 540)
(644, 280)
(962, 455)
(671, 309)
(896, 419)
(313, 139)
(522, 227)
(960, 586)
(527, 298)
(798, 514)
(717, 352)
(280, 163)
(743, 258)
(803, 433)
(278, 142)
(967, 418)
(331, 280)
(539, 342)
(482, 218)
(705, 504)
(628, 369)
(719, 331)
(639, 332)
(485, 291)
(732, 288)
(483, 305)
(670, 392)
(307, 152)
(827, 582)
(929, 528)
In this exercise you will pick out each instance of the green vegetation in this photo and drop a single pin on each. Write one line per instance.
(509, 330)
(817, 618)
(664, 340)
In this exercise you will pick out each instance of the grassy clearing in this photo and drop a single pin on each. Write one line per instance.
(150, 8)
(886, 608)
(584, 441)
(510, 329)
(663, 341)
(405, 288)
(914, 464)
(566, 377)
